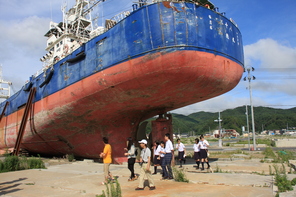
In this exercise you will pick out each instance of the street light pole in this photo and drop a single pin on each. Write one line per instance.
(250, 77)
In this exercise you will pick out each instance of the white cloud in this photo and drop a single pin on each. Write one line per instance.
(271, 54)
(275, 66)
(13, 9)
(276, 87)
(26, 35)
(22, 44)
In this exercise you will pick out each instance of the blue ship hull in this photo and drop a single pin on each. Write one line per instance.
(203, 47)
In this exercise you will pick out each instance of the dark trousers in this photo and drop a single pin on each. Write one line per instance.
(166, 165)
(130, 165)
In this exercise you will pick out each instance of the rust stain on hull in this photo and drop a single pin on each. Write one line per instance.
(73, 121)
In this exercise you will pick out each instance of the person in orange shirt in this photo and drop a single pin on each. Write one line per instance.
(107, 159)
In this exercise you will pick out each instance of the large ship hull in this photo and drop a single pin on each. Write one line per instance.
(158, 59)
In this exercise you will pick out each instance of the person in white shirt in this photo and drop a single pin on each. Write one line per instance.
(181, 152)
(196, 149)
(156, 158)
(131, 158)
(162, 154)
(204, 144)
(166, 164)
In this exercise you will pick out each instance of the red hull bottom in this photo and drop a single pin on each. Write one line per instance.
(114, 101)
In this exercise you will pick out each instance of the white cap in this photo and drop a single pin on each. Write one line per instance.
(143, 141)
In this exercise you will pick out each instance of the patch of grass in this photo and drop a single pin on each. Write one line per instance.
(217, 169)
(14, 163)
(259, 173)
(70, 157)
(268, 153)
(113, 189)
(30, 183)
(268, 142)
(188, 140)
(281, 180)
(278, 157)
(212, 139)
(179, 175)
(285, 156)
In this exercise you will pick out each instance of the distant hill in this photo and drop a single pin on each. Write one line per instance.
(265, 117)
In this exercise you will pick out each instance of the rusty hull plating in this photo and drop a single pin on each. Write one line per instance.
(158, 59)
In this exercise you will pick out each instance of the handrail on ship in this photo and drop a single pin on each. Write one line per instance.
(140, 3)
(122, 15)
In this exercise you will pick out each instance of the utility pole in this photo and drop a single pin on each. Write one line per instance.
(220, 132)
(250, 77)
(248, 128)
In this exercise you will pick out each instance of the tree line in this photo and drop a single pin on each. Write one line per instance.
(265, 118)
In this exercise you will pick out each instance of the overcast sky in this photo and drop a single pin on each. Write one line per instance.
(268, 28)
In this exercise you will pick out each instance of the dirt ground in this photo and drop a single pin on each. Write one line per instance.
(83, 178)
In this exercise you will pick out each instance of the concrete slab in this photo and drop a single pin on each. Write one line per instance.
(84, 179)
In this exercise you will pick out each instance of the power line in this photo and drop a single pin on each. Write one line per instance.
(271, 68)
(275, 78)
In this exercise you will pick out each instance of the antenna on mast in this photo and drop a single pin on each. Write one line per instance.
(50, 10)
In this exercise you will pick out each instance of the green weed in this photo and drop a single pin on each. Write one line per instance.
(268, 152)
(70, 157)
(285, 156)
(111, 189)
(217, 169)
(281, 180)
(14, 163)
(268, 142)
(179, 175)
(30, 183)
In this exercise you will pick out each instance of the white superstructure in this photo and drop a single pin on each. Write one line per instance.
(4, 90)
(66, 36)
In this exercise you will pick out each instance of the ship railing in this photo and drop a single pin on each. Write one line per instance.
(38, 73)
(98, 31)
(233, 22)
(117, 18)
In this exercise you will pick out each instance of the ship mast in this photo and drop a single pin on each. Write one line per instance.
(4, 91)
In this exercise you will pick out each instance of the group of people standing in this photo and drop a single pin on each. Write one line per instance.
(163, 156)
(200, 149)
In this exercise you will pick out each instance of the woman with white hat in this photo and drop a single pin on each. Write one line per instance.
(145, 159)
